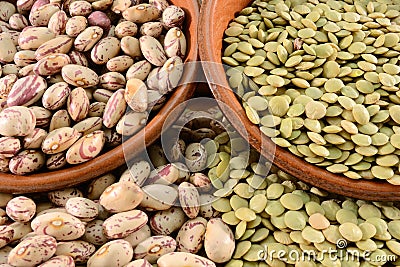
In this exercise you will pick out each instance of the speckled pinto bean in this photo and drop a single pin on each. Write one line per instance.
(139, 236)
(51, 64)
(120, 63)
(140, 70)
(121, 196)
(141, 13)
(21, 209)
(173, 16)
(76, 25)
(167, 221)
(105, 49)
(86, 148)
(79, 250)
(26, 91)
(33, 37)
(94, 233)
(123, 224)
(61, 44)
(80, 8)
(201, 181)
(115, 109)
(64, 261)
(154, 247)
(18, 22)
(183, 259)
(32, 251)
(195, 157)
(42, 15)
(62, 226)
(152, 50)
(126, 28)
(56, 96)
(27, 161)
(112, 81)
(191, 235)
(88, 38)
(78, 104)
(82, 208)
(116, 253)
(9, 146)
(219, 242)
(60, 197)
(35, 139)
(60, 140)
(58, 22)
(131, 47)
(175, 43)
(158, 197)
(77, 75)
(153, 29)
(190, 199)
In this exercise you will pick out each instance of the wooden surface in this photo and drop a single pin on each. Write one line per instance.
(104, 163)
(214, 18)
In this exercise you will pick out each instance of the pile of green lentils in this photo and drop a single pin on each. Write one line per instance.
(321, 78)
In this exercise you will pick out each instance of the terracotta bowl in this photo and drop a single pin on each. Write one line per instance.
(45, 181)
(215, 16)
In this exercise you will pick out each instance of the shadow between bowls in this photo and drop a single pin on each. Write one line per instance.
(215, 16)
(46, 181)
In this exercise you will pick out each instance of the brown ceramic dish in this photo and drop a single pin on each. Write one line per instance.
(114, 158)
(214, 18)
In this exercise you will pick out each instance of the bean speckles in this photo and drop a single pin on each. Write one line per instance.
(62, 226)
(21, 209)
(114, 253)
(34, 250)
(125, 223)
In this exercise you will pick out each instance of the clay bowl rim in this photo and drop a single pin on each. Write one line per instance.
(114, 158)
(210, 53)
